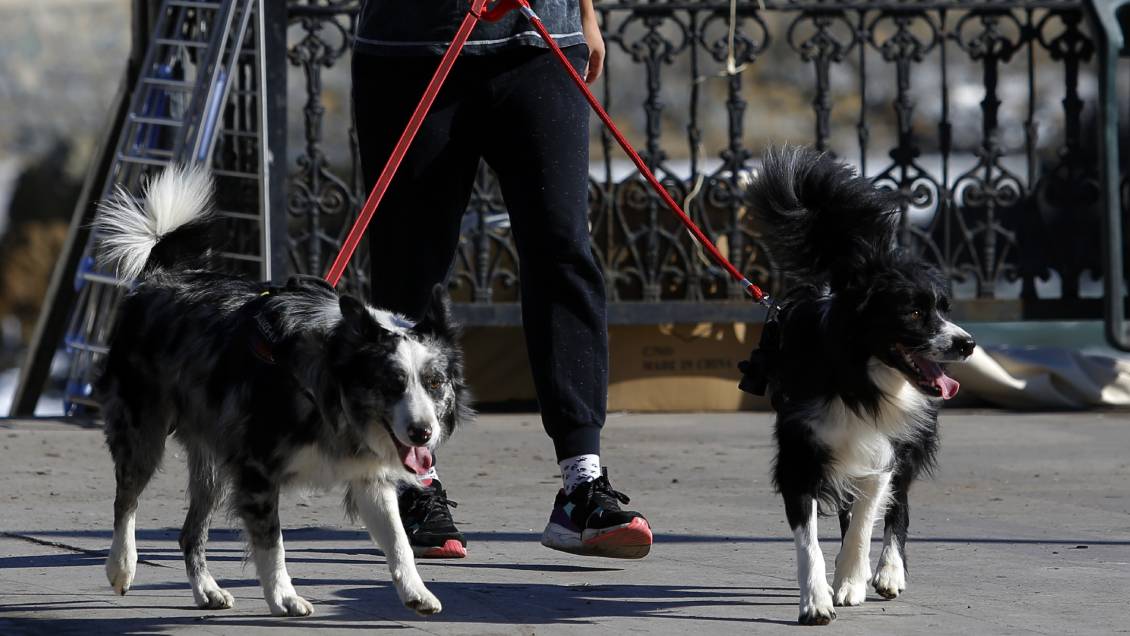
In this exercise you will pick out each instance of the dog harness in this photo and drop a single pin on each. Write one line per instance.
(763, 359)
(264, 338)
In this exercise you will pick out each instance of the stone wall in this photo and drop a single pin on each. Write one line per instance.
(60, 64)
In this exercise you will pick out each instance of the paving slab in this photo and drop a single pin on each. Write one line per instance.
(1025, 529)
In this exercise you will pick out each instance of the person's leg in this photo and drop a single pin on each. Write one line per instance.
(541, 158)
(415, 230)
(540, 153)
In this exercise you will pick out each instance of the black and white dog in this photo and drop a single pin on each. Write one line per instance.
(853, 364)
(265, 388)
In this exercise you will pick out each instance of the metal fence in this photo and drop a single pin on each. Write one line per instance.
(979, 113)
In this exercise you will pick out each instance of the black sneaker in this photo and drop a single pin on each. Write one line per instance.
(590, 522)
(426, 515)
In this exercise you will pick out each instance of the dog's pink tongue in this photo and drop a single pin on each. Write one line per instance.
(417, 459)
(947, 385)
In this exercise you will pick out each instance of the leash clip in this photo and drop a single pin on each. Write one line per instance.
(771, 308)
(502, 7)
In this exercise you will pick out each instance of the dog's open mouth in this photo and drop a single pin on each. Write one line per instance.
(929, 376)
(416, 459)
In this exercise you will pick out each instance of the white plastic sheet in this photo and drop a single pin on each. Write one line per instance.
(1043, 378)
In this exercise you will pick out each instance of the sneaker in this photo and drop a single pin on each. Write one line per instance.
(426, 515)
(590, 522)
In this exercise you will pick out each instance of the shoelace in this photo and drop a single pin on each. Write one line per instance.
(601, 486)
(432, 501)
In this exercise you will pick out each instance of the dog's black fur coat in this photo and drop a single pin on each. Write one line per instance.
(250, 377)
(851, 357)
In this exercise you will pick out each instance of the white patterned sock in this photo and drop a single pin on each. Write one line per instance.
(426, 479)
(579, 470)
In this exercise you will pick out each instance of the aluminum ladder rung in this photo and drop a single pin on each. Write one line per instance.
(145, 161)
(86, 346)
(76, 399)
(160, 154)
(219, 172)
(241, 257)
(155, 121)
(105, 279)
(168, 83)
(239, 216)
(194, 4)
(193, 44)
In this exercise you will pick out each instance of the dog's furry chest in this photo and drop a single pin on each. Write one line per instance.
(862, 442)
(311, 467)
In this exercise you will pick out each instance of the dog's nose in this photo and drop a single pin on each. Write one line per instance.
(965, 346)
(419, 435)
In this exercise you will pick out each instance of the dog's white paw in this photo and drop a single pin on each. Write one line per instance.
(290, 605)
(849, 585)
(816, 607)
(890, 580)
(421, 601)
(121, 566)
(849, 592)
(209, 595)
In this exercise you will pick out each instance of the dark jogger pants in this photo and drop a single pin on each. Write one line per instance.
(518, 111)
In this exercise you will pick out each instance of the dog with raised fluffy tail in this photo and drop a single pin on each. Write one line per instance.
(853, 363)
(266, 387)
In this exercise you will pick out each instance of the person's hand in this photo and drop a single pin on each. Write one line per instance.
(594, 40)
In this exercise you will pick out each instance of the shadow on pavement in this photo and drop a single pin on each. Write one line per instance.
(374, 607)
(341, 534)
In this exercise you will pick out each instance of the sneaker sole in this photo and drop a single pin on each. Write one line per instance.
(628, 541)
(451, 549)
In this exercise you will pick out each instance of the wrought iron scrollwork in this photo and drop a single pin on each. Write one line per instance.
(321, 202)
(1067, 196)
(987, 194)
(823, 45)
(991, 188)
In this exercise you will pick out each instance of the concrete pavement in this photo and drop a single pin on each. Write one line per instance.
(1026, 529)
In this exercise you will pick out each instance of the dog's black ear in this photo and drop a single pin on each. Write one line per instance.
(867, 295)
(356, 316)
(862, 299)
(436, 320)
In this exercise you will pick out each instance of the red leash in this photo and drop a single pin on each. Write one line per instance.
(501, 8)
(750, 288)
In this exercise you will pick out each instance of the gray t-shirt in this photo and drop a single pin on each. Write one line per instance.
(426, 27)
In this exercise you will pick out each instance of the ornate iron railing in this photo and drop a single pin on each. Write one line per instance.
(978, 113)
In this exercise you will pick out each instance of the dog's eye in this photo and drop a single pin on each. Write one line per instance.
(435, 382)
(916, 315)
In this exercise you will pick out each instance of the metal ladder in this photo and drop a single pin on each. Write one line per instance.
(198, 98)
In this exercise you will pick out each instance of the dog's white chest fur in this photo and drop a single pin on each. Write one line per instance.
(862, 444)
(311, 467)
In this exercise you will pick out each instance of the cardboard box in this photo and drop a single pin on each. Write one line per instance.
(664, 368)
(654, 368)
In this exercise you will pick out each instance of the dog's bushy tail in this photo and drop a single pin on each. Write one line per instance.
(170, 227)
(822, 222)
